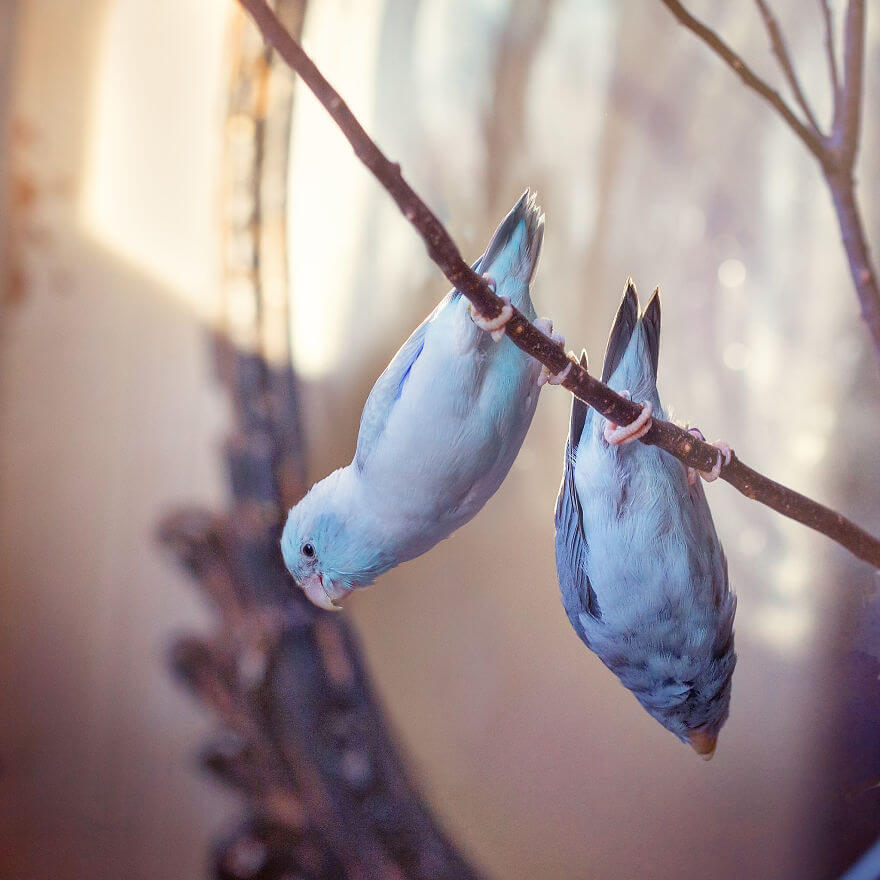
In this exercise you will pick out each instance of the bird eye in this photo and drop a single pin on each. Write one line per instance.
(308, 550)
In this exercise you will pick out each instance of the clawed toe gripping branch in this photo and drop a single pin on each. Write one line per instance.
(444, 252)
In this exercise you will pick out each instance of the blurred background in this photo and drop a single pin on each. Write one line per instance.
(651, 161)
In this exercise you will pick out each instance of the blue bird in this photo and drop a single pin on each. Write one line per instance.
(641, 570)
(438, 434)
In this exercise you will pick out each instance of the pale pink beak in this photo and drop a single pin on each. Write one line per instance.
(318, 594)
(703, 743)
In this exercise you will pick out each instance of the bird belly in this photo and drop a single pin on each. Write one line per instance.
(645, 559)
(449, 443)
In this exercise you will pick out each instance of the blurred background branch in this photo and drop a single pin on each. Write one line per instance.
(835, 150)
(518, 46)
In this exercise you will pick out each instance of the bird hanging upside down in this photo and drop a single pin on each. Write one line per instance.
(439, 432)
(642, 573)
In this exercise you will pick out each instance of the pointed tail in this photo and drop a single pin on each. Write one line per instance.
(634, 345)
(516, 245)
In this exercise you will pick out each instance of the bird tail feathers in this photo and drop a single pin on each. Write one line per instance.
(633, 349)
(516, 244)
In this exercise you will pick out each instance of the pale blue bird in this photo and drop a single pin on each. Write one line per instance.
(439, 432)
(642, 573)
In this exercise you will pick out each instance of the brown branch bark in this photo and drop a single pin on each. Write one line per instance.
(835, 153)
(443, 251)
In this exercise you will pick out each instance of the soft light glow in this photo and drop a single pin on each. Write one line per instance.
(151, 164)
(765, 356)
(328, 185)
(786, 620)
(752, 541)
(809, 447)
(793, 575)
(737, 356)
(731, 273)
(691, 224)
(785, 627)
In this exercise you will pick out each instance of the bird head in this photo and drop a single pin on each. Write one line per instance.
(307, 548)
(313, 545)
(324, 546)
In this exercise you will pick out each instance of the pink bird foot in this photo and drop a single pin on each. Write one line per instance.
(724, 451)
(545, 325)
(495, 327)
(617, 435)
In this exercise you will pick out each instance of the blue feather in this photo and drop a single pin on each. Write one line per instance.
(642, 574)
(439, 433)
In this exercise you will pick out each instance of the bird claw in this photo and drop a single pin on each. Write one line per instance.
(616, 435)
(548, 378)
(545, 325)
(495, 327)
(724, 452)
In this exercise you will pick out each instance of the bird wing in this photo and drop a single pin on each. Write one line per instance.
(388, 388)
(578, 595)
(643, 350)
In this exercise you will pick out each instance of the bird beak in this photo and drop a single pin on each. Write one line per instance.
(703, 743)
(318, 594)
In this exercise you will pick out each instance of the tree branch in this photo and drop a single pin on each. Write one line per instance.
(838, 163)
(832, 55)
(835, 153)
(443, 251)
(811, 140)
(846, 133)
(782, 55)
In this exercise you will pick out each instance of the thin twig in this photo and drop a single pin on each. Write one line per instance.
(839, 163)
(846, 136)
(832, 54)
(777, 41)
(811, 140)
(522, 332)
